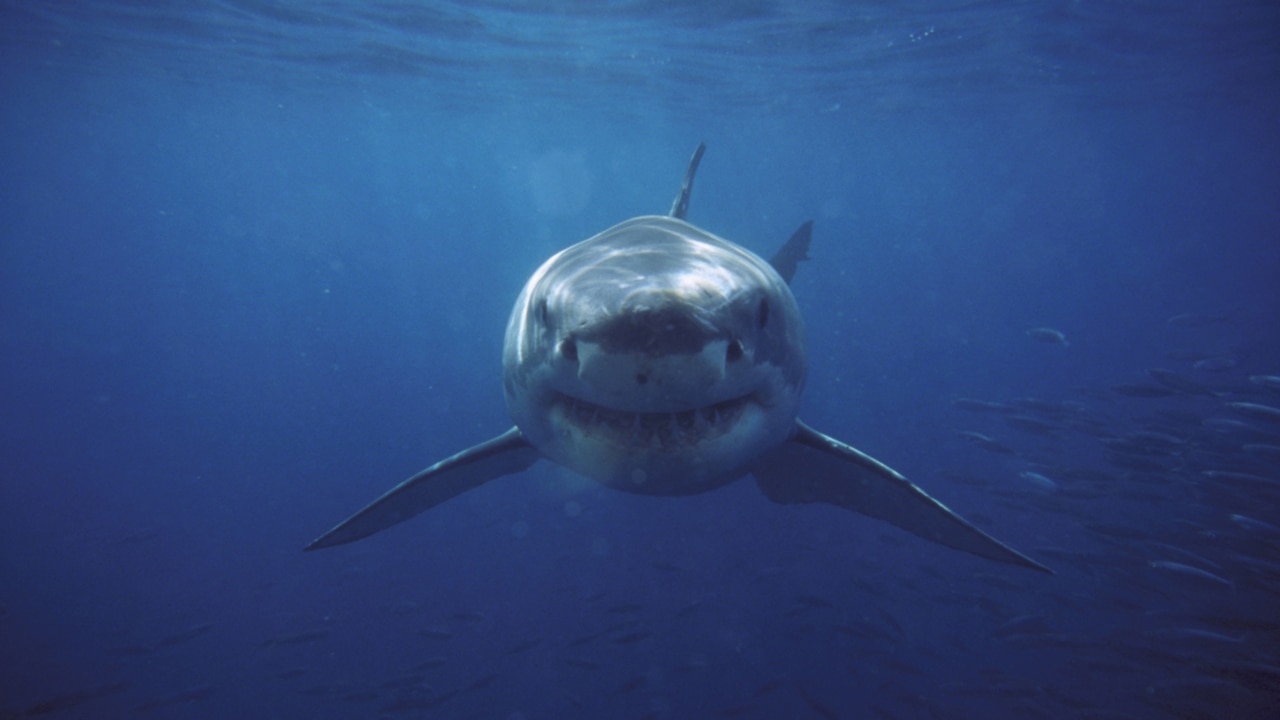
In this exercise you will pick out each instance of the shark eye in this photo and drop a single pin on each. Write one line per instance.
(569, 350)
(734, 352)
(763, 313)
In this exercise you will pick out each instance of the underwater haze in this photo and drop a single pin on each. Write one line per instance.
(256, 261)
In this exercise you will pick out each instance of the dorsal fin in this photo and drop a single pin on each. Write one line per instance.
(785, 261)
(793, 252)
(680, 208)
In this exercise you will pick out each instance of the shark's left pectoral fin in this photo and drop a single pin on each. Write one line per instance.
(508, 453)
(811, 467)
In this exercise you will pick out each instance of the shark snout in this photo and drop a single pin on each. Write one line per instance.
(650, 382)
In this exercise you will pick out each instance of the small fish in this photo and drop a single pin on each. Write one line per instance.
(1271, 452)
(1133, 447)
(435, 634)
(1178, 382)
(1188, 633)
(1048, 335)
(694, 664)
(1032, 425)
(1253, 525)
(987, 443)
(1217, 363)
(1022, 625)
(979, 405)
(1184, 554)
(1052, 408)
(1256, 411)
(1151, 438)
(1038, 480)
(483, 682)
(1270, 382)
(1232, 477)
(1189, 571)
(1231, 426)
(1190, 320)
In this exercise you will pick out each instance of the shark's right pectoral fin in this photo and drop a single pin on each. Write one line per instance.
(508, 453)
(811, 467)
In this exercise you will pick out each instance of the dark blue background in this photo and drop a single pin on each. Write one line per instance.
(235, 309)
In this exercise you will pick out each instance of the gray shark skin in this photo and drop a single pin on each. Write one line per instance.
(657, 358)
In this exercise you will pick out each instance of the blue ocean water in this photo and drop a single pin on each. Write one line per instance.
(256, 258)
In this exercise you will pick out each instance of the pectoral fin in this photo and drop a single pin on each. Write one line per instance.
(508, 453)
(811, 467)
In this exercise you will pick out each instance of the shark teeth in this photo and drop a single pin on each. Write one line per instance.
(653, 431)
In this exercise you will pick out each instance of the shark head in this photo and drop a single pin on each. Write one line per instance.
(655, 358)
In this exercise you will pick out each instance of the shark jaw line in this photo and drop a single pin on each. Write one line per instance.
(681, 452)
(649, 432)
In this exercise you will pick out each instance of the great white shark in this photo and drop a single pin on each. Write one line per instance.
(657, 358)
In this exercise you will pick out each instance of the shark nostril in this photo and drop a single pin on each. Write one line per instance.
(569, 350)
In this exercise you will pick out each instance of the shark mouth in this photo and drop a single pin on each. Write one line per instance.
(652, 431)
